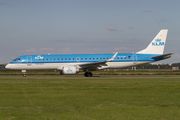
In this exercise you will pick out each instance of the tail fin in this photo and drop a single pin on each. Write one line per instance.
(157, 45)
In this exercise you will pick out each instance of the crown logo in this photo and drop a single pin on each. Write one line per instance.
(69, 70)
(157, 40)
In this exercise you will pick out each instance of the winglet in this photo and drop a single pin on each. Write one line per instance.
(111, 59)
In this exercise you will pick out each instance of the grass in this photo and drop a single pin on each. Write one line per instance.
(90, 99)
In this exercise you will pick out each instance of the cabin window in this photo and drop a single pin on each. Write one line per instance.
(103, 58)
(77, 58)
(39, 59)
(121, 57)
(54, 59)
(65, 58)
(61, 58)
(97, 58)
(85, 58)
(89, 58)
(107, 58)
(50, 59)
(93, 58)
(58, 58)
(81, 58)
(118, 58)
(69, 58)
(46, 59)
(73, 58)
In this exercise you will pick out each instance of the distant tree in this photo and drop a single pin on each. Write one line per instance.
(175, 65)
(152, 66)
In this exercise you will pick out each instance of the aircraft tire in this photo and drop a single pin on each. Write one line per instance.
(88, 74)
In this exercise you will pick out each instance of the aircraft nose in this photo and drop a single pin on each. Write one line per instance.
(8, 66)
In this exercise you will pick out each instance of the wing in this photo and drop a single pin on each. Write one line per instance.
(94, 65)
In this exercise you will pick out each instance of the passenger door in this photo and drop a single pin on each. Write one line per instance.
(29, 60)
(134, 57)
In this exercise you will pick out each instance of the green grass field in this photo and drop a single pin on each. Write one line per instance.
(90, 99)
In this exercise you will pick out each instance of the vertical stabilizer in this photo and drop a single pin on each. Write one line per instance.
(157, 45)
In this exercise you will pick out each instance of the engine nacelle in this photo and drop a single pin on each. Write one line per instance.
(67, 70)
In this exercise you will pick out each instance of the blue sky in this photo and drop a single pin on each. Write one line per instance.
(86, 26)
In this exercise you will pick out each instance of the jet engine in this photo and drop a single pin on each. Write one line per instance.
(67, 70)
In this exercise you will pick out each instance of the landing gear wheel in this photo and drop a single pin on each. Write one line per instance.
(24, 75)
(88, 74)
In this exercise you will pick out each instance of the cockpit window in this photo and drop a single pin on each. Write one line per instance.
(17, 59)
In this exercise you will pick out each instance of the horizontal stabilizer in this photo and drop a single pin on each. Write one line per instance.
(165, 56)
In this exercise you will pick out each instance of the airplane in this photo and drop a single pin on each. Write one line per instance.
(74, 63)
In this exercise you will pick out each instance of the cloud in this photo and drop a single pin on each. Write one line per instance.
(148, 11)
(65, 50)
(46, 49)
(161, 20)
(111, 28)
(131, 28)
(31, 50)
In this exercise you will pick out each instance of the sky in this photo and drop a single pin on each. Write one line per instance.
(29, 27)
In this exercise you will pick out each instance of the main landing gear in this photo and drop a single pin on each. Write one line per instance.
(88, 74)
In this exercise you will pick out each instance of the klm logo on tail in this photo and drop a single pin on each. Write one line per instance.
(158, 42)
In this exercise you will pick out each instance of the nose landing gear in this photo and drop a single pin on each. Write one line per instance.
(88, 74)
(24, 73)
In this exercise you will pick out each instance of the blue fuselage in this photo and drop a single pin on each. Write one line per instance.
(81, 58)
